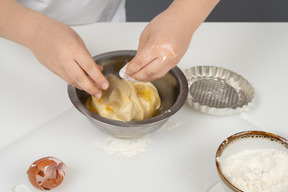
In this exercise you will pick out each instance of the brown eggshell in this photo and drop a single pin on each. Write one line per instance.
(46, 173)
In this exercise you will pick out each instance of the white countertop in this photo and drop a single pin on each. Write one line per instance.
(37, 119)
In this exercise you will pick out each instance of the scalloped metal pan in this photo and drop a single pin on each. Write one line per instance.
(218, 91)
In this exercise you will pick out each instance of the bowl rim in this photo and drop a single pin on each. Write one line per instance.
(181, 99)
(239, 135)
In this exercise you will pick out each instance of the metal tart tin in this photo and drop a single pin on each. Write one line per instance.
(218, 91)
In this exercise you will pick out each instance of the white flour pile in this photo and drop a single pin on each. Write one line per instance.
(133, 147)
(21, 188)
(258, 170)
(126, 147)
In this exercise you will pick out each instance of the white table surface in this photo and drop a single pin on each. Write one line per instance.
(37, 119)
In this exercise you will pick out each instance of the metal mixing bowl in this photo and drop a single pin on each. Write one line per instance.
(172, 88)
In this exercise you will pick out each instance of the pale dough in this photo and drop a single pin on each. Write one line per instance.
(127, 100)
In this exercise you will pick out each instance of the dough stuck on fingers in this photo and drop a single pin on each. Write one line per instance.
(126, 100)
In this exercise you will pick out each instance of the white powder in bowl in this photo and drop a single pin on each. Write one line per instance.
(258, 170)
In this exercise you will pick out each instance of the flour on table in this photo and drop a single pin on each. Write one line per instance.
(21, 188)
(126, 147)
(170, 125)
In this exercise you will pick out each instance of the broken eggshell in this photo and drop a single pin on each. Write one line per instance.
(46, 173)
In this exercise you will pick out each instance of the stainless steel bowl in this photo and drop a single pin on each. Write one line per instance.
(172, 88)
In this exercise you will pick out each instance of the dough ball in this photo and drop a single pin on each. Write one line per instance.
(127, 100)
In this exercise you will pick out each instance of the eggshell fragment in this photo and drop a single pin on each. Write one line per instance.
(46, 173)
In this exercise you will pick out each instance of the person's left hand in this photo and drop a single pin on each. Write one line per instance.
(162, 44)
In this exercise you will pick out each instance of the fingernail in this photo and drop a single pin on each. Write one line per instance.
(122, 72)
(98, 95)
(100, 67)
(104, 86)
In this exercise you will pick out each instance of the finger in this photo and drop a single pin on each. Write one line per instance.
(70, 81)
(96, 85)
(77, 74)
(141, 59)
(154, 70)
(92, 69)
(60, 72)
(149, 72)
(100, 67)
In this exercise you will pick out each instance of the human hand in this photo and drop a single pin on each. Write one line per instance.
(55, 45)
(61, 50)
(162, 44)
(166, 38)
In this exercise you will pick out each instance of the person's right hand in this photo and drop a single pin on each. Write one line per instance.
(55, 45)
(62, 51)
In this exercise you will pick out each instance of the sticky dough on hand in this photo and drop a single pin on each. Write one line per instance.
(127, 100)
